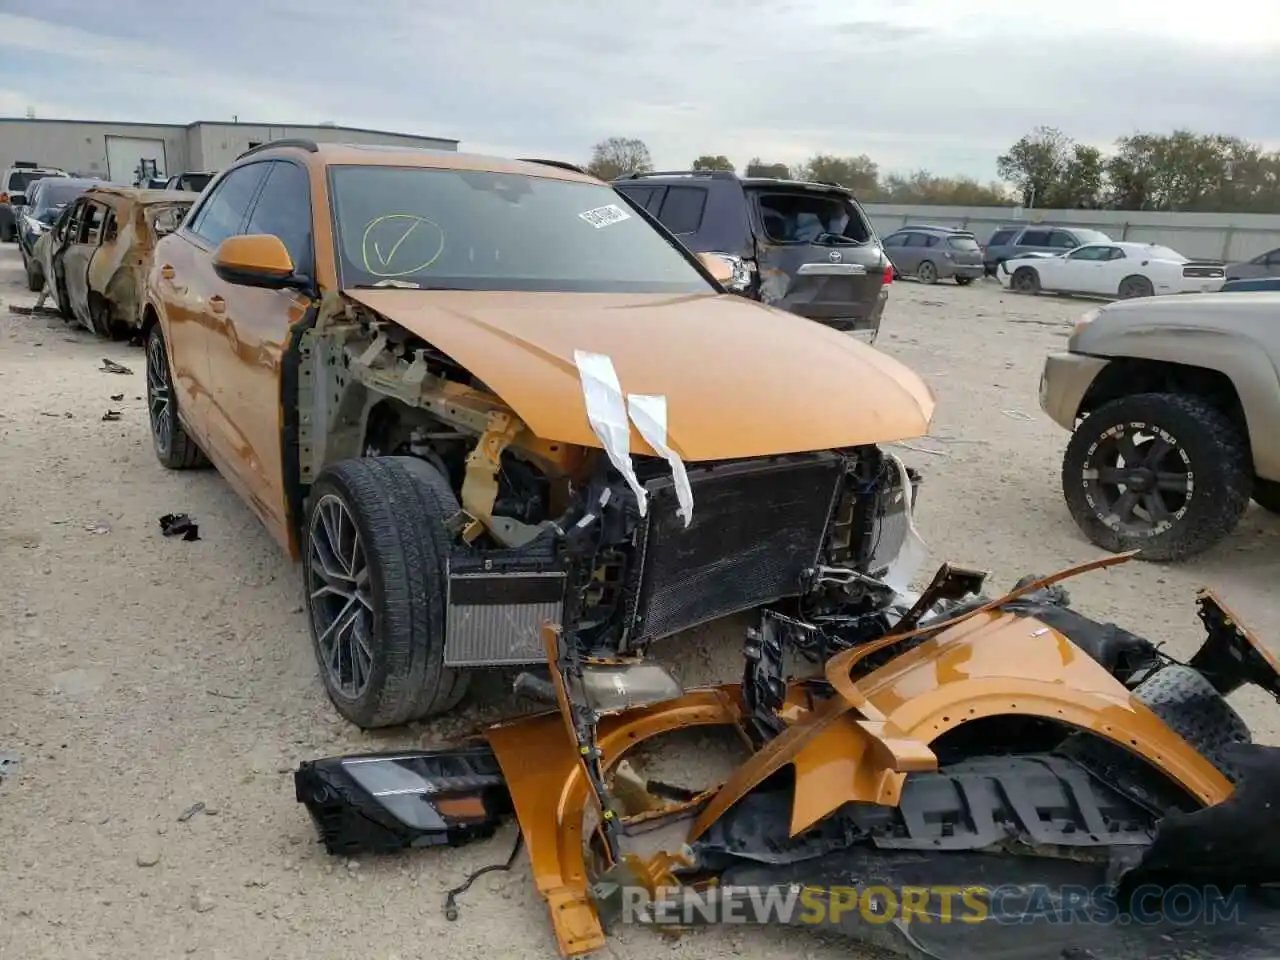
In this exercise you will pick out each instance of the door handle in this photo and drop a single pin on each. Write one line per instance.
(217, 304)
(167, 272)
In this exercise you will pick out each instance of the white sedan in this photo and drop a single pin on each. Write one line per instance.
(1113, 269)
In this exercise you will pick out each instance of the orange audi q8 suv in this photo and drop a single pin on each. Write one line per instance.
(476, 395)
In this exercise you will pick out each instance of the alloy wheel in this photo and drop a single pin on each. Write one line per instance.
(340, 597)
(158, 393)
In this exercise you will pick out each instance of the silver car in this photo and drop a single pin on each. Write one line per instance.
(931, 254)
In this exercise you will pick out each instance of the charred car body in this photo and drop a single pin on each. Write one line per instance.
(96, 256)
(466, 353)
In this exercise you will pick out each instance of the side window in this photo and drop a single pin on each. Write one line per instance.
(639, 195)
(1273, 258)
(1034, 238)
(69, 222)
(918, 240)
(1115, 253)
(1000, 238)
(284, 209)
(223, 213)
(1062, 240)
(932, 240)
(682, 209)
(110, 229)
(1090, 253)
(91, 226)
(894, 240)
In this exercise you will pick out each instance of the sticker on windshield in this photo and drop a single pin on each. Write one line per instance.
(604, 216)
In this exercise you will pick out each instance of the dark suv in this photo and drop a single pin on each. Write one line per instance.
(804, 247)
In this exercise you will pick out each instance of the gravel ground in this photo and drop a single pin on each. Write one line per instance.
(145, 675)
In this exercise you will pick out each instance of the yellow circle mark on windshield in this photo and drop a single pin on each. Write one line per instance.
(379, 253)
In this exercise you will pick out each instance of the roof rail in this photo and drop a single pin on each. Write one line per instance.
(561, 164)
(713, 174)
(305, 144)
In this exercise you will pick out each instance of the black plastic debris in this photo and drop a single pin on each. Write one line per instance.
(117, 397)
(111, 415)
(191, 811)
(110, 366)
(179, 525)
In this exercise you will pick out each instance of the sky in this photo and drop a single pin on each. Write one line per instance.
(914, 84)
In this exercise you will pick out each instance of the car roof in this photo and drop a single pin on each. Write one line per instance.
(934, 228)
(379, 155)
(678, 176)
(139, 195)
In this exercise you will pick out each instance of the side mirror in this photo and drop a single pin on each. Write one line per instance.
(254, 260)
(719, 267)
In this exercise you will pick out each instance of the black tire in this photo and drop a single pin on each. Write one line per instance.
(1189, 705)
(35, 276)
(1189, 439)
(399, 506)
(8, 233)
(1266, 494)
(1135, 286)
(927, 272)
(174, 447)
(1025, 280)
(963, 281)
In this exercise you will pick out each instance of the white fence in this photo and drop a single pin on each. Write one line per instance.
(1218, 236)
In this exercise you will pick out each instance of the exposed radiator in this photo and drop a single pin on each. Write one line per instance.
(757, 526)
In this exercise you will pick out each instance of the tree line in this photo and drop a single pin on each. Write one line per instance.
(1045, 169)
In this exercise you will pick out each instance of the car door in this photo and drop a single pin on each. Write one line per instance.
(183, 282)
(249, 331)
(1032, 240)
(1060, 241)
(899, 254)
(1081, 270)
(79, 251)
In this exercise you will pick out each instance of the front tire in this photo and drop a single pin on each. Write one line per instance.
(174, 447)
(1165, 474)
(1025, 280)
(375, 562)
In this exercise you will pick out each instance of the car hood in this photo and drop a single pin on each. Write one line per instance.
(741, 379)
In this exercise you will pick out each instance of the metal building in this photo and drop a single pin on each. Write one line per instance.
(121, 152)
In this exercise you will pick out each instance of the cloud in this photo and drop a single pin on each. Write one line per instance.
(925, 83)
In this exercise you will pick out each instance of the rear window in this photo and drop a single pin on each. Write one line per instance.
(962, 243)
(19, 179)
(805, 216)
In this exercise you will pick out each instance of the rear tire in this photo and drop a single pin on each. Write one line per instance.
(379, 641)
(1025, 280)
(1135, 286)
(1266, 494)
(174, 447)
(1203, 445)
(927, 272)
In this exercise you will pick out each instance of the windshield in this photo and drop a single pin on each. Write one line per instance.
(194, 181)
(476, 230)
(963, 243)
(53, 194)
(804, 216)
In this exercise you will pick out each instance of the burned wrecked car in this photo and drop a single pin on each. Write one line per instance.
(958, 778)
(504, 399)
(95, 257)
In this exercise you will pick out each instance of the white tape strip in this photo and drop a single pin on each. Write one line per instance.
(607, 414)
(649, 414)
(914, 552)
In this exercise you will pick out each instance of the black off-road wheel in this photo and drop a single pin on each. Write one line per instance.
(1164, 474)
(1131, 288)
(927, 272)
(1266, 494)
(1025, 280)
(963, 281)
(375, 549)
(174, 447)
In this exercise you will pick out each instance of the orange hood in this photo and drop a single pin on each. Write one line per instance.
(741, 379)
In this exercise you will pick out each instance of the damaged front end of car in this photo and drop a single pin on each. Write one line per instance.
(961, 777)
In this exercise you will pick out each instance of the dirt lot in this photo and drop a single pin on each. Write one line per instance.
(144, 675)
